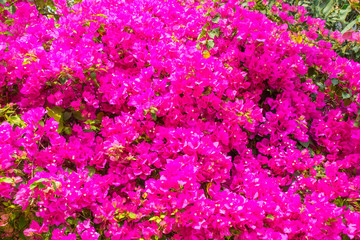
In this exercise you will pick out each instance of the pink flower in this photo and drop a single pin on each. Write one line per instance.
(35, 229)
(251, 4)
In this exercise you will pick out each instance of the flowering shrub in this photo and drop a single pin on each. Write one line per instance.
(341, 16)
(175, 119)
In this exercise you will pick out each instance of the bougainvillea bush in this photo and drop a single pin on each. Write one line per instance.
(154, 119)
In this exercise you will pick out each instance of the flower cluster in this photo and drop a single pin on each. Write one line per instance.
(176, 119)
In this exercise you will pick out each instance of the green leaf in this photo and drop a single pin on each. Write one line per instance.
(4, 110)
(67, 116)
(22, 222)
(92, 170)
(56, 113)
(60, 126)
(22, 236)
(156, 219)
(54, 185)
(40, 4)
(41, 180)
(332, 220)
(214, 32)
(349, 26)
(234, 33)
(311, 71)
(38, 183)
(18, 172)
(153, 115)
(63, 80)
(316, 7)
(13, 9)
(122, 215)
(101, 15)
(320, 85)
(132, 215)
(93, 75)
(68, 130)
(90, 122)
(207, 91)
(305, 144)
(198, 45)
(344, 12)
(327, 10)
(357, 121)
(345, 95)
(39, 169)
(345, 237)
(216, 18)
(210, 44)
(155, 237)
(69, 170)
(6, 180)
(15, 120)
(203, 31)
(77, 115)
(6, 33)
(270, 216)
(356, 49)
(3, 2)
(71, 220)
(334, 81)
(26, 62)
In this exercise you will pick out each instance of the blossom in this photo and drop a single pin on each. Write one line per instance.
(113, 124)
(34, 229)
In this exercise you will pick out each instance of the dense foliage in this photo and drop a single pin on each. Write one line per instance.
(152, 119)
(340, 15)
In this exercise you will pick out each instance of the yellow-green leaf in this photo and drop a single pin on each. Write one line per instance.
(55, 113)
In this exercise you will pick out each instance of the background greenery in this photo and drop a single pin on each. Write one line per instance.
(340, 15)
